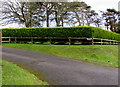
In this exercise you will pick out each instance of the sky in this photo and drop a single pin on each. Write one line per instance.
(96, 5)
(102, 4)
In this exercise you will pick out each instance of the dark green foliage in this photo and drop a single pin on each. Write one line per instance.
(83, 31)
(48, 32)
(118, 31)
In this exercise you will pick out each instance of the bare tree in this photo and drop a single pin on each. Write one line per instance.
(20, 12)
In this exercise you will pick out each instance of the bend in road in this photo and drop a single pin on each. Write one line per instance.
(62, 71)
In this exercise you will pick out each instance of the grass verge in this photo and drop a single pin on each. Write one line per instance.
(105, 55)
(0, 73)
(15, 75)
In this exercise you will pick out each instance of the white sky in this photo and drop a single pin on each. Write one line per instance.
(102, 4)
(95, 4)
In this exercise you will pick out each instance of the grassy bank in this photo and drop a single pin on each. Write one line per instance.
(0, 73)
(14, 75)
(105, 55)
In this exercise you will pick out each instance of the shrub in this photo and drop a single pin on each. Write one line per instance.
(82, 31)
(100, 33)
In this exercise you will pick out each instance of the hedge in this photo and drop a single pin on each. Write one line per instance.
(82, 31)
(100, 33)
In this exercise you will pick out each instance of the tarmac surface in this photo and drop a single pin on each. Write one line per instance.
(61, 71)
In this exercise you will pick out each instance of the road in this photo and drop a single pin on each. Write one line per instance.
(61, 71)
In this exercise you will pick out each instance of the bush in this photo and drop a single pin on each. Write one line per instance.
(48, 32)
(100, 33)
(82, 31)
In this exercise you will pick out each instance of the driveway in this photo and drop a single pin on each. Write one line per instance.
(61, 71)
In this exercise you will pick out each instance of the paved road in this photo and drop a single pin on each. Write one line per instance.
(61, 71)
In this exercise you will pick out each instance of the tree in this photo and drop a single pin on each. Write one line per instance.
(111, 19)
(48, 6)
(20, 12)
(61, 13)
(118, 25)
(77, 10)
(94, 18)
(37, 14)
(82, 14)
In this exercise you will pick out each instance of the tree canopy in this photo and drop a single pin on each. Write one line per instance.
(39, 14)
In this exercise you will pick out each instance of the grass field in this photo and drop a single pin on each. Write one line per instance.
(0, 74)
(15, 75)
(104, 55)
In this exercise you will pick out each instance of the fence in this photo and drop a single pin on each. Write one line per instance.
(60, 40)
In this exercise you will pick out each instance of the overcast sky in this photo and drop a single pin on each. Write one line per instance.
(95, 4)
(102, 4)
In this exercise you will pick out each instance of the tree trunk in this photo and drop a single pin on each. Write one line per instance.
(26, 24)
(56, 18)
(47, 20)
(62, 22)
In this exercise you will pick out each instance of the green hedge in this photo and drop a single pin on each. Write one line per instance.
(82, 31)
(48, 32)
(100, 33)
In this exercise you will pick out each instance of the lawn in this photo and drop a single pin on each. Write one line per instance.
(0, 73)
(104, 55)
(15, 75)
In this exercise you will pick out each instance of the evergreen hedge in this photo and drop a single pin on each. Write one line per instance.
(82, 31)
(100, 33)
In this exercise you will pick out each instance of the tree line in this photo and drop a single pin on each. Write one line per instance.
(59, 14)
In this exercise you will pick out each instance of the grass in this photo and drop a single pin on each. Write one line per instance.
(0, 74)
(104, 55)
(15, 75)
